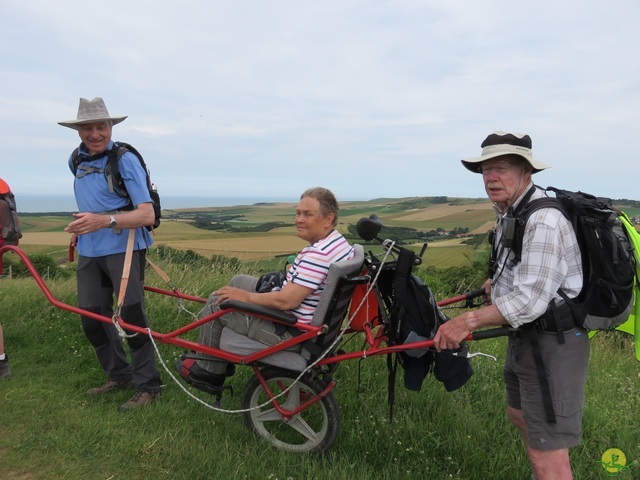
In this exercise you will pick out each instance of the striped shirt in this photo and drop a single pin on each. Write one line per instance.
(550, 260)
(311, 267)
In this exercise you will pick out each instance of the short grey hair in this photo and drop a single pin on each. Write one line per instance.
(327, 201)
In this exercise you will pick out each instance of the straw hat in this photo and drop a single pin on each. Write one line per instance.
(91, 111)
(498, 144)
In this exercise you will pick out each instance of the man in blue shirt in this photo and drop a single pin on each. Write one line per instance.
(100, 233)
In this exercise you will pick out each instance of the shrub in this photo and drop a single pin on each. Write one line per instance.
(46, 265)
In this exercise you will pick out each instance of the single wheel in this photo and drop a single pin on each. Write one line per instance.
(312, 431)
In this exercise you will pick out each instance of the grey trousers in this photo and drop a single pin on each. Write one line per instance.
(255, 328)
(98, 279)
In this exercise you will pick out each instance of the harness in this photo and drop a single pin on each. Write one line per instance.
(111, 169)
(556, 319)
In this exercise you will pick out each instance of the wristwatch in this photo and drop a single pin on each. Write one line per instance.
(112, 222)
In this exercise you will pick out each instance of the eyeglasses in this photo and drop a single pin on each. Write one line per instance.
(500, 168)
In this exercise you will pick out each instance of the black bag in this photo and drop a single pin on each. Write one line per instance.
(414, 316)
(116, 183)
(414, 308)
(270, 281)
(608, 260)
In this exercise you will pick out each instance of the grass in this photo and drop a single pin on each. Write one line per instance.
(49, 428)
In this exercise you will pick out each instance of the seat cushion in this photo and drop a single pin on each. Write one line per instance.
(233, 342)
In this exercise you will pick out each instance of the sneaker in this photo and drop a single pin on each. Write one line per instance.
(140, 399)
(198, 377)
(110, 386)
(5, 368)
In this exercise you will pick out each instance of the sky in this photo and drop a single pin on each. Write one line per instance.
(369, 98)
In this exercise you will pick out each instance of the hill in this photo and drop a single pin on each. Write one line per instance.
(266, 230)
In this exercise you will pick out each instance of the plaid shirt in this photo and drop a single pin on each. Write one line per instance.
(550, 260)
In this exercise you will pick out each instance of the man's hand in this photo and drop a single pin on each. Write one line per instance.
(451, 333)
(87, 223)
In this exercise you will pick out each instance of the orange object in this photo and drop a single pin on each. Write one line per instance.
(4, 186)
(368, 312)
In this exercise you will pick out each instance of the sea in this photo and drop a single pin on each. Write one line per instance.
(62, 203)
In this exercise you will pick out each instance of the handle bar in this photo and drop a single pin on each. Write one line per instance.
(465, 297)
(490, 333)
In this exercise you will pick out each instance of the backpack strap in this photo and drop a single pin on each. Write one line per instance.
(522, 217)
(83, 170)
(515, 243)
(111, 169)
(116, 183)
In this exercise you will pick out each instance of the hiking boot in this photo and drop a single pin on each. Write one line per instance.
(198, 377)
(140, 399)
(5, 368)
(110, 386)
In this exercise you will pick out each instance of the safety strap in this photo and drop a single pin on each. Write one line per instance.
(392, 368)
(542, 375)
(126, 269)
(161, 273)
(173, 286)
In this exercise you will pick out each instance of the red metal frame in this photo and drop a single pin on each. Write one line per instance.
(374, 338)
(288, 414)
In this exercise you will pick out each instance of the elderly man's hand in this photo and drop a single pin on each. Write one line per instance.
(450, 334)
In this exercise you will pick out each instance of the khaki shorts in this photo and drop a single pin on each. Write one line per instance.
(566, 367)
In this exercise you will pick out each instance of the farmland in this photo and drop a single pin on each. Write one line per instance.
(266, 230)
(244, 239)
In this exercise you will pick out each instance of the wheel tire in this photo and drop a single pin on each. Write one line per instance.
(312, 431)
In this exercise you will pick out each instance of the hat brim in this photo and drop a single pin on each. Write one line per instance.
(74, 123)
(473, 164)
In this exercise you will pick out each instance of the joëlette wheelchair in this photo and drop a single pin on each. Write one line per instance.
(289, 400)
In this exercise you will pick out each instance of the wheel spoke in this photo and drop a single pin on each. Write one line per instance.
(271, 415)
(293, 398)
(302, 427)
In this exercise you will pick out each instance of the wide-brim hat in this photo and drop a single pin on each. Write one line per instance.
(91, 111)
(498, 144)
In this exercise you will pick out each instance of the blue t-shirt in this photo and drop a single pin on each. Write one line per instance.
(93, 195)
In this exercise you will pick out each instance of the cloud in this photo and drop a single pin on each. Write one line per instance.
(369, 98)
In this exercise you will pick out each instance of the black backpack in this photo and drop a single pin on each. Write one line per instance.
(608, 259)
(414, 310)
(114, 178)
(9, 219)
(413, 316)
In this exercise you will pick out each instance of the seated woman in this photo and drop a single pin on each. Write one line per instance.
(316, 219)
